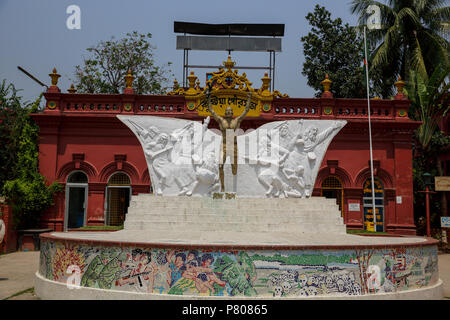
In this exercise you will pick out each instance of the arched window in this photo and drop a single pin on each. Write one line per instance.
(118, 194)
(332, 188)
(76, 200)
(368, 205)
(119, 179)
(77, 177)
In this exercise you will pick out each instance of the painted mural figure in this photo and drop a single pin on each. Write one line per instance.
(176, 266)
(141, 275)
(227, 123)
(91, 276)
(244, 273)
(113, 271)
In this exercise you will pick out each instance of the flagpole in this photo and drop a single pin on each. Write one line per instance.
(370, 133)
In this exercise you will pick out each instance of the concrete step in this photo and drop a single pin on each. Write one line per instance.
(243, 219)
(234, 227)
(219, 206)
(234, 213)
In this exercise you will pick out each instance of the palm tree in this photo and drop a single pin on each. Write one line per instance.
(412, 36)
(430, 101)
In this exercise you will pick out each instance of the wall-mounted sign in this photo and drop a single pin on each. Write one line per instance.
(354, 207)
(398, 199)
(442, 183)
(445, 222)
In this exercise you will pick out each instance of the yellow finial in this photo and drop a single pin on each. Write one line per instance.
(191, 79)
(326, 83)
(129, 79)
(54, 76)
(229, 64)
(72, 89)
(176, 85)
(265, 86)
(399, 85)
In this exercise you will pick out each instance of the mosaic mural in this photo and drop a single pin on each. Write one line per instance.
(241, 273)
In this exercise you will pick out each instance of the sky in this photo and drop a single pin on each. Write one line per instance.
(34, 35)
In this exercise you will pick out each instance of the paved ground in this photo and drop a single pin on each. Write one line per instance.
(17, 275)
(444, 272)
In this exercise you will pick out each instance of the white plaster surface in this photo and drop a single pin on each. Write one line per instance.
(52, 290)
(280, 159)
(241, 221)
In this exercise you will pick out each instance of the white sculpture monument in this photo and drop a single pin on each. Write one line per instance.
(279, 159)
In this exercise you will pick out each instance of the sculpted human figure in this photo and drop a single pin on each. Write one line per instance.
(159, 152)
(269, 173)
(227, 123)
(184, 173)
(206, 173)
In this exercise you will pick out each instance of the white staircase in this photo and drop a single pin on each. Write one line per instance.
(158, 214)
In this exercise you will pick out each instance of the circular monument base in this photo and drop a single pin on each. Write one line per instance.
(129, 265)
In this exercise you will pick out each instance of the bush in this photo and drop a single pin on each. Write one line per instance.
(25, 189)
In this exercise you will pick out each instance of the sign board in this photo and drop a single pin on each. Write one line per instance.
(398, 199)
(442, 183)
(445, 222)
(354, 207)
(219, 103)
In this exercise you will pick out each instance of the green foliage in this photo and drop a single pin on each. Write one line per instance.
(304, 259)
(427, 161)
(239, 275)
(334, 49)
(105, 70)
(24, 188)
(12, 117)
(430, 101)
(413, 36)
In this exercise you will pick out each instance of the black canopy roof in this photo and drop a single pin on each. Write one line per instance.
(237, 29)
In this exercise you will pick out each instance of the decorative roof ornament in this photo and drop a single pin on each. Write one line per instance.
(129, 83)
(54, 76)
(54, 87)
(226, 81)
(399, 85)
(326, 83)
(129, 79)
(72, 89)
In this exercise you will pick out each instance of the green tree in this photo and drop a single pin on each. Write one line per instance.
(24, 188)
(12, 117)
(335, 49)
(105, 70)
(412, 36)
(430, 102)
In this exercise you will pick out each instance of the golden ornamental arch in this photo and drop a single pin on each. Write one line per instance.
(228, 88)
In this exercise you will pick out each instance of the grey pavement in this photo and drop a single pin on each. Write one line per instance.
(17, 271)
(444, 272)
(17, 274)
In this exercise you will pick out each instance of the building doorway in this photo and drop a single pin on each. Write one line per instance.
(118, 195)
(332, 188)
(76, 200)
(368, 207)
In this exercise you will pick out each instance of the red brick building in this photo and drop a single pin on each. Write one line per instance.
(100, 161)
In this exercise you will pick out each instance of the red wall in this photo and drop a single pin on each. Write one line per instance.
(96, 142)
